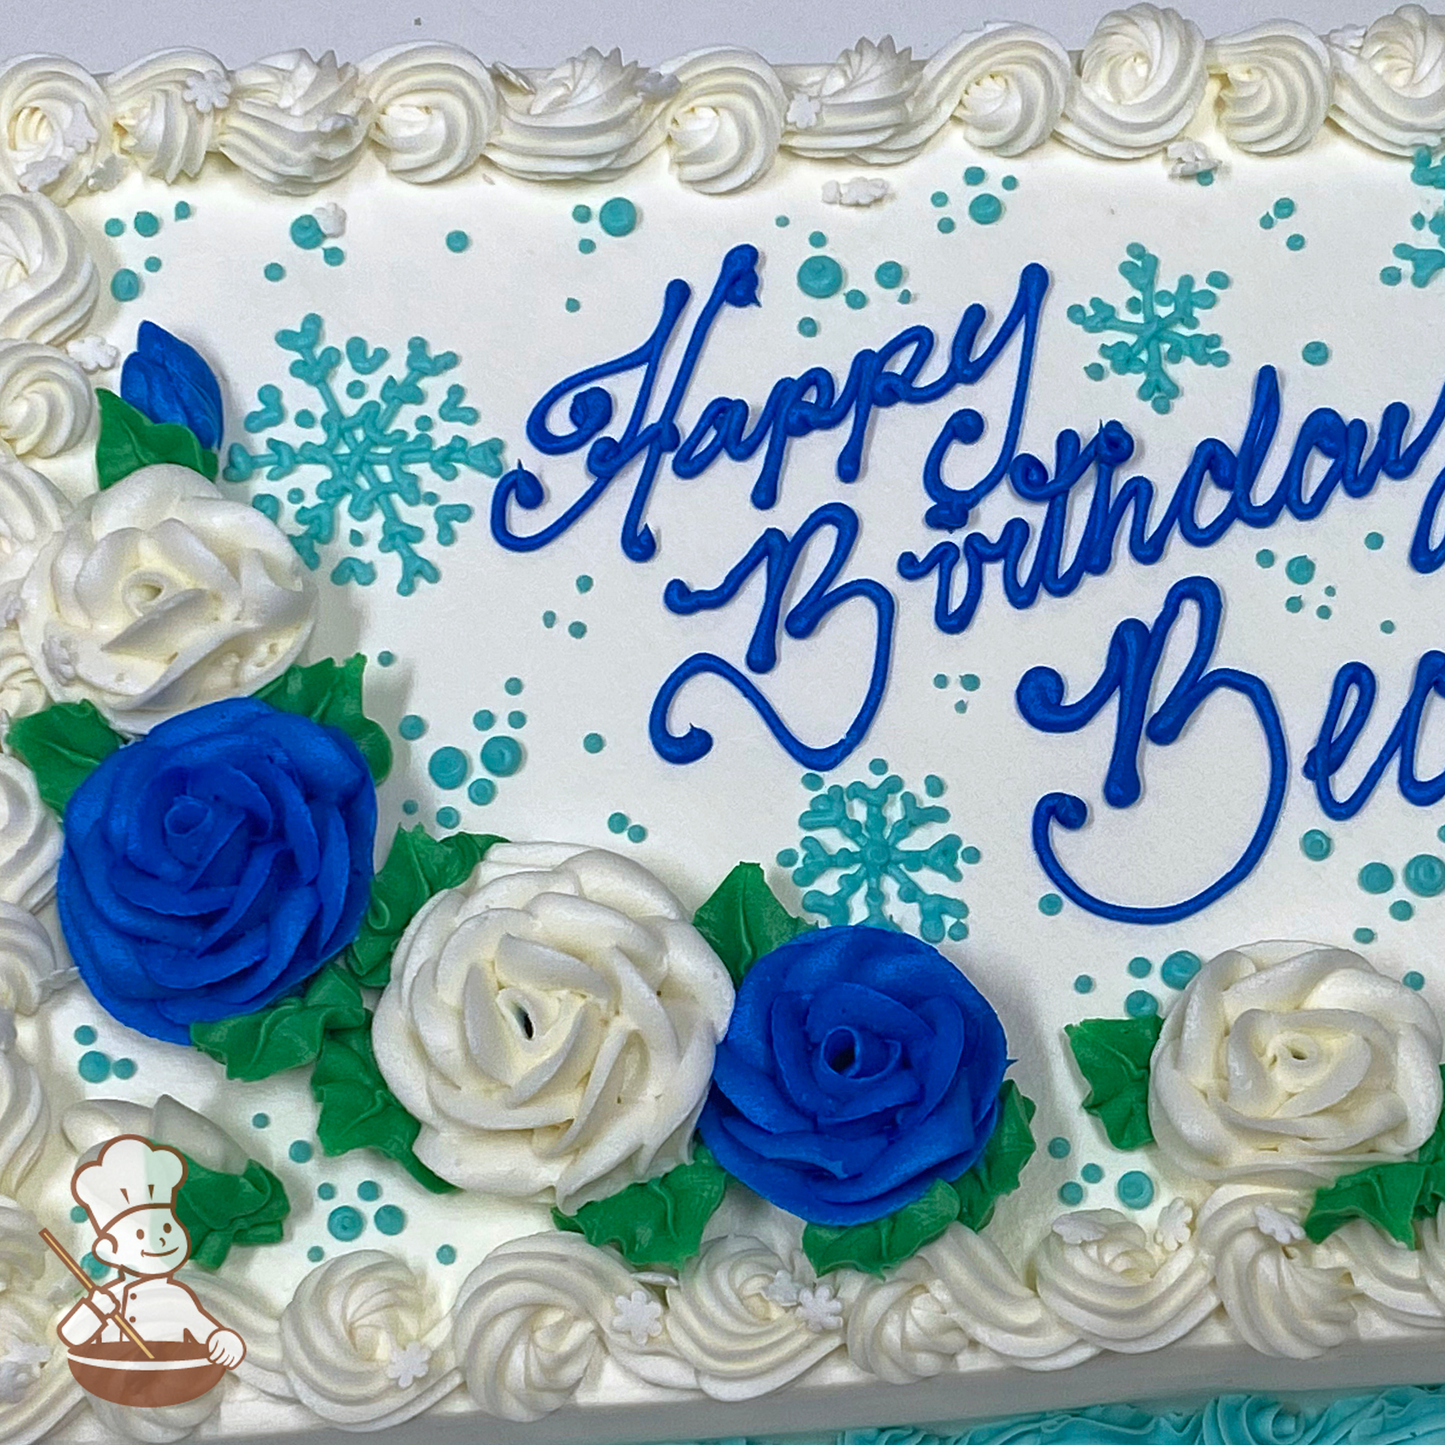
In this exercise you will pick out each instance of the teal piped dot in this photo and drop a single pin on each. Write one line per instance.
(93, 1267)
(260, 1121)
(812, 782)
(617, 823)
(274, 271)
(385, 658)
(1424, 875)
(1387, 627)
(501, 756)
(77, 1214)
(1364, 935)
(1059, 1147)
(146, 223)
(300, 1151)
(484, 719)
(939, 199)
(984, 210)
(1266, 222)
(577, 629)
(618, 217)
(933, 785)
(971, 855)
(958, 931)
(1329, 591)
(855, 300)
(817, 240)
(1091, 1173)
(1139, 967)
(888, 275)
(1071, 1193)
(1050, 905)
(581, 213)
(448, 817)
(84, 1036)
(411, 727)
(411, 807)
(593, 743)
(1135, 1190)
(316, 1254)
(905, 296)
(389, 1219)
(1264, 557)
(1283, 208)
(877, 766)
(333, 255)
(1414, 980)
(572, 304)
(1402, 910)
(516, 718)
(636, 833)
(583, 584)
(153, 264)
(1141, 1004)
(1377, 878)
(1095, 371)
(947, 225)
(1294, 604)
(125, 284)
(345, 1223)
(123, 1068)
(1294, 242)
(1374, 541)
(940, 680)
(1010, 183)
(1391, 275)
(1219, 280)
(1300, 570)
(787, 857)
(1316, 353)
(449, 767)
(1316, 845)
(115, 227)
(94, 1067)
(974, 176)
(820, 277)
(482, 791)
(1084, 983)
(807, 326)
(549, 618)
(306, 233)
(368, 1190)
(457, 242)
(1181, 966)
(969, 682)
(183, 211)
(446, 1254)
(781, 222)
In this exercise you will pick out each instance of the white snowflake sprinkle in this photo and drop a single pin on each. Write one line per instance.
(638, 1316)
(208, 90)
(59, 653)
(1081, 1228)
(654, 85)
(783, 1291)
(803, 111)
(331, 218)
(92, 353)
(43, 171)
(820, 1309)
(408, 1365)
(1279, 1226)
(860, 191)
(79, 132)
(107, 175)
(1172, 1230)
(1188, 158)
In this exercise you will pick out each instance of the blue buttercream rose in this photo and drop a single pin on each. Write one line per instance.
(859, 1066)
(215, 864)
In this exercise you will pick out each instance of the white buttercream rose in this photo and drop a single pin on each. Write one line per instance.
(1295, 1063)
(159, 595)
(552, 1023)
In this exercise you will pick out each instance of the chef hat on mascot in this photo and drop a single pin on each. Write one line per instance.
(129, 1174)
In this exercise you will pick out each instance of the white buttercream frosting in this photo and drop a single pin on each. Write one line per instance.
(158, 595)
(1293, 1063)
(1395, 1279)
(1139, 84)
(23, 1111)
(535, 1320)
(37, 1390)
(29, 838)
(165, 108)
(294, 123)
(31, 966)
(1276, 83)
(552, 1023)
(338, 1334)
(32, 511)
(858, 102)
(1390, 80)
(21, 691)
(900, 1330)
(725, 121)
(1116, 1288)
(435, 107)
(47, 404)
(49, 284)
(728, 1321)
(54, 126)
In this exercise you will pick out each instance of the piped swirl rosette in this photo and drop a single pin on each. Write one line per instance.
(552, 1024)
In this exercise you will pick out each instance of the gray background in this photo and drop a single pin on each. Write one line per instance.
(542, 32)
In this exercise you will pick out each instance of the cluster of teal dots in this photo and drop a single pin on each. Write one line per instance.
(1175, 972)
(821, 277)
(984, 208)
(1423, 876)
(968, 681)
(616, 217)
(1282, 210)
(576, 629)
(1135, 1189)
(306, 233)
(1301, 571)
(346, 1223)
(94, 1066)
(1374, 541)
(125, 283)
(623, 826)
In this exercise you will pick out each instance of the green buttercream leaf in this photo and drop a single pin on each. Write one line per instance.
(1113, 1056)
(220, 1210)
(129, 440)
(287, 1034)
(1385, 1195)
(62, 746)
(743, 920)
(417, 867)
(658, 1222)
(1009, 1148)
(358, 1111)
(330, 692)
(883, 1243)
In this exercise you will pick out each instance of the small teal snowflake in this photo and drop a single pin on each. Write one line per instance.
(1425, 262)
(879, 857)
(362, 461)
(1160, 328)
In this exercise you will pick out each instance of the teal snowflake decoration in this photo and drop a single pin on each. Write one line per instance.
(879, 857)
(365, 461)
(1158, 329)
(1425, 262)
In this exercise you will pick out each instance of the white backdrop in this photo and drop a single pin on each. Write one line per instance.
(539, 32)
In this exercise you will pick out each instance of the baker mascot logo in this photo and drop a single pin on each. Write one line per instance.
(143, 1338)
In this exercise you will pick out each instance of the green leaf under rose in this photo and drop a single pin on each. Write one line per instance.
(1113, 1056)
